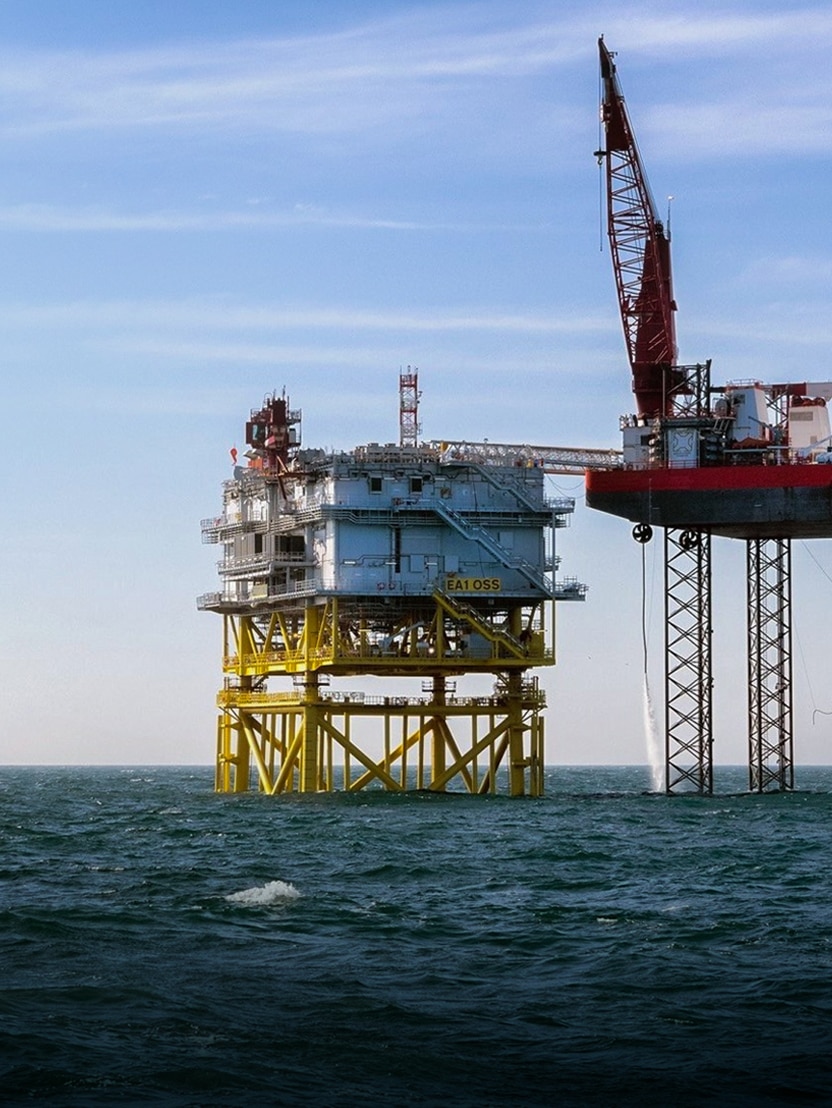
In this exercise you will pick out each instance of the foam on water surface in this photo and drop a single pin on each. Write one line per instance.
(273, 892)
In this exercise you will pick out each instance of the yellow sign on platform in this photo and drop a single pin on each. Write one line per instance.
(473, 584)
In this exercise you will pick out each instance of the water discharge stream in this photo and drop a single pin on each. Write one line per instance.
(653, 741)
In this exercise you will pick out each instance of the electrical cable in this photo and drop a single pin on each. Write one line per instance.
(644, 605)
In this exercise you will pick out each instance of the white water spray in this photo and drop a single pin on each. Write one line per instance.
(272, 893)
(653, 742)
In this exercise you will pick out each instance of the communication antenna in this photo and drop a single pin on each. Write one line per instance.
(409, 428)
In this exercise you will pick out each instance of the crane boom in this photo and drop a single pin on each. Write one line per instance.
(640, 250)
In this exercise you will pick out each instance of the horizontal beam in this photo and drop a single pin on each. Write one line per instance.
(551, 459)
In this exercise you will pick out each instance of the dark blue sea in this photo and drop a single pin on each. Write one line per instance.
(602, 946)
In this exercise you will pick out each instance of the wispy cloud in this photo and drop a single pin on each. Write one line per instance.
(218, 315)
(339, 82)
(740, 127)
(48, 217)
(402, 67)
(697, 31)
(811, 272)
(43, 217)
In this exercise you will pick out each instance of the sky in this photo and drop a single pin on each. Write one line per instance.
(204, 201)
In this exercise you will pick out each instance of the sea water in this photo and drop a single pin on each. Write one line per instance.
(165, 945)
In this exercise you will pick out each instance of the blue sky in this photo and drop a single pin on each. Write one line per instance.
(201, 202)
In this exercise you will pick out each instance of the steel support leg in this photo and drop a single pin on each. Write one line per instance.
(516, 735)
(438, 749)
(688, 677)
(310, 747)
(770, 746)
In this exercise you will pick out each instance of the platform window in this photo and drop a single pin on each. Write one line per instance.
(415, 484)
(289, 544)
(375, 484)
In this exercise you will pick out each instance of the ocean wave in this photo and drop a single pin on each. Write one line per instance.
(273, 892)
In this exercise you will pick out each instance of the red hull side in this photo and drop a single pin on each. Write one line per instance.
(777, 501)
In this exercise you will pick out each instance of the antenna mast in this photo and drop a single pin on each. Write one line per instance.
(409, 428)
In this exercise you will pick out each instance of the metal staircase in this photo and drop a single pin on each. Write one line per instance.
(485, 539)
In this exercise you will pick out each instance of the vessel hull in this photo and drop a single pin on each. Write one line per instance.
(744, 502)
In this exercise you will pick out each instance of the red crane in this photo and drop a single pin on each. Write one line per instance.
(640, 248)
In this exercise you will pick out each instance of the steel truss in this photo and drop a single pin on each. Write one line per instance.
(770, 743)
(309, 741)
(409, 428)
(688, 675)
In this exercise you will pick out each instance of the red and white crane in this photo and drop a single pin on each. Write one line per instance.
(640, 247)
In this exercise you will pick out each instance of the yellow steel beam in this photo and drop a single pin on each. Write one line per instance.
(268, 637)
(254, 747)
(497, 753)
(452, 770)
(496, 636)
(287, 766)
(284, 633)
(459, 764)
(372, 767)
(222, 780)
(311, 728)
(247, 730)
(396, 755)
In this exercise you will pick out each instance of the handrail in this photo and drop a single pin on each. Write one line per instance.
(530, 697)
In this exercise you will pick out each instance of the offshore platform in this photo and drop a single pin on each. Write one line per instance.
(423, 561)
(747, 460)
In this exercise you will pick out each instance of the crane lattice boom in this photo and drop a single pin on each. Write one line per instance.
(640, 253)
